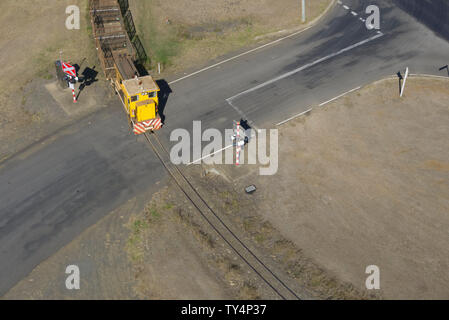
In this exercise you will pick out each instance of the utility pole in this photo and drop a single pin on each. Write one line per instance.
(303, 11)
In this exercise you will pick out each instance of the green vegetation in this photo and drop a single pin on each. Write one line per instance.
(179, 36)
(160, 43)
(168, 206)
(139, 225)
(167, 40)
(138, 228)
(154, 214)
(87, 19)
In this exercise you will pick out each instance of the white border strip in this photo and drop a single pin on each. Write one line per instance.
(342, 95)
(294, 117)
(429, 76)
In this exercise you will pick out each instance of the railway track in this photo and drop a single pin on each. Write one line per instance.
(214, 220)
(110, 35)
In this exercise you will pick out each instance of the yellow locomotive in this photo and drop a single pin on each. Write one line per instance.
(138, 94)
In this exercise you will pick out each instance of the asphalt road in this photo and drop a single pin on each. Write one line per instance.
(56, 189)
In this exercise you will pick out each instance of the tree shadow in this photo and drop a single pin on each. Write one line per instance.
(163, 97)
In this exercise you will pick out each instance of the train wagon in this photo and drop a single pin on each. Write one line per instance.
(139, 94)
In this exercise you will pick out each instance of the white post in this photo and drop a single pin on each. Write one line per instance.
(159, 68)
(237, 140)
(72, 86)
(405, 79)
(303, 11)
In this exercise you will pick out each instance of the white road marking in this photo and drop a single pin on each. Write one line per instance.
(355, 14)
(240, 55)
(218, 151)
(320, 105)
(210, 155)
(294, 117)
(343, 94)
(288, 74)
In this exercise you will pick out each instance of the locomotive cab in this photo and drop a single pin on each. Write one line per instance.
(139, 95)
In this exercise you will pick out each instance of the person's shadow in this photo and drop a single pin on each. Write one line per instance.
(88, 76)
(163, 97)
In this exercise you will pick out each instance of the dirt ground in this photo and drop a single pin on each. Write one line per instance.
(32, 105)
(163, 252)
(362, 181)
(167, 251)
(365, 181)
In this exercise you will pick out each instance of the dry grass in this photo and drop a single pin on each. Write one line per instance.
(33, 34)
(242, 211)
(364, 181)
(169, 216)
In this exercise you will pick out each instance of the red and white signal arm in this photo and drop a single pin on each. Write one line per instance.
(69, 69)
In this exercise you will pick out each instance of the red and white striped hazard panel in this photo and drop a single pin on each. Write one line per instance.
(142, 127)
(69, 69)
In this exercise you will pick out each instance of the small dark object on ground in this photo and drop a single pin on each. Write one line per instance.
(251, 189)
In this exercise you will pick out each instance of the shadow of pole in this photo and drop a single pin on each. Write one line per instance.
(445, 67)
(88, 76)
(400, 81)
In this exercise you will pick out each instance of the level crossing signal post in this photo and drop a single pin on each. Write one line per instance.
(67, 77)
